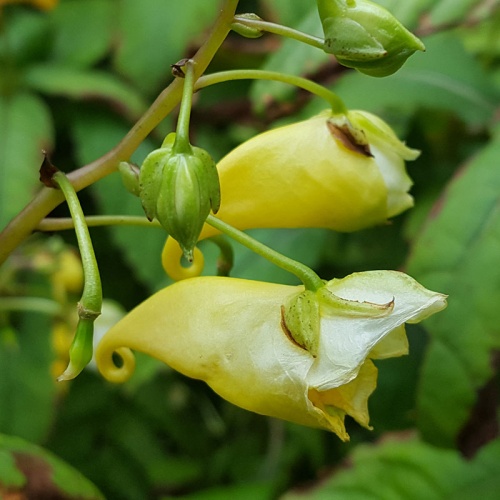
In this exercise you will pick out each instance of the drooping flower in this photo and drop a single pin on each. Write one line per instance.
(340, 172)
(231, 333)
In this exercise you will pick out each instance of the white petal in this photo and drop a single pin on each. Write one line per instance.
(346, 341)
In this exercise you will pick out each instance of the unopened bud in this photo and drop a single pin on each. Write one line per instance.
(243, 29)
(180, 189)
(365, 36)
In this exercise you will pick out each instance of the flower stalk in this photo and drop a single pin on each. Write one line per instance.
(255, 23)
(89, 307)
(308, 277)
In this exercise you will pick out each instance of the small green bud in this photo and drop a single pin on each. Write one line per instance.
(81, 350)
(301, 321)
(365, 36)
(243, 29)
(180, 189)
(130, 177)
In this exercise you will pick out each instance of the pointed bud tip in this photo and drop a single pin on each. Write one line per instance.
(69, 374)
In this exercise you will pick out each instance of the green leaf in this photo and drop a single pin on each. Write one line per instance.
(25, 129)
(40, 473)
(247, 491)
(153, 34)
(293, 58)
(451, 11)
(25, 37)
(411, 470)
(444, 77)
(440, 12)
(10, 475)
(26, 386)
(82, 31)
(458, 253)
(86, 84)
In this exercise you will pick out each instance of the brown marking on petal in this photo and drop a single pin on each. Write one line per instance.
(287, 332)
(343, 133)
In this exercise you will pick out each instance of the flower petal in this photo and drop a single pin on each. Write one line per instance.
(349, 399)
(345, 341)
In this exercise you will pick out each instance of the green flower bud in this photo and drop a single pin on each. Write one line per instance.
(243, 29)
(80, 352)
(180, 189)
(365, 36)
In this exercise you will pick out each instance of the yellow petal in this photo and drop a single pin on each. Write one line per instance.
(349, 399)
(304, 175)
(229, 333)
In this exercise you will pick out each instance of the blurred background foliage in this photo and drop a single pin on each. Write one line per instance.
(73, 80)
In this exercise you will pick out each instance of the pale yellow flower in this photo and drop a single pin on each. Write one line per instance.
(340, 172)
(229, 332)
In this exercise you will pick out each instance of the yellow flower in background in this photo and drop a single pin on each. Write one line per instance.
(341, 172)
(230, 333)
(40, 4)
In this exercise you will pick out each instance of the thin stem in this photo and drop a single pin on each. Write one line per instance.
(281, 30)
(89, 307)
(337, 105)
(308, 277)
(181, 144)
(63, 223)
(91, 301)
(225, 261)
(47, 199)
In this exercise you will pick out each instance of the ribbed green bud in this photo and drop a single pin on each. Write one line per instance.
(180, 189)
(300, 320)
(365, 36)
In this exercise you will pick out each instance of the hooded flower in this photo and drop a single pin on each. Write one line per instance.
(340, 172)
(230, 333)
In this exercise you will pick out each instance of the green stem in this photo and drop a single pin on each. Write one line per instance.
(337, 105)
(281, 30)
(308, 277)
(91, 301)
(225, 261)
(47, 199)
(182, 144)
(89, 307)
(63, 223)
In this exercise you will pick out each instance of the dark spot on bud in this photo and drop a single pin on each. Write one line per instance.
(343, 133)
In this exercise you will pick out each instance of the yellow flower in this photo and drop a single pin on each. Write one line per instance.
(341, 172)
(229, 332)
